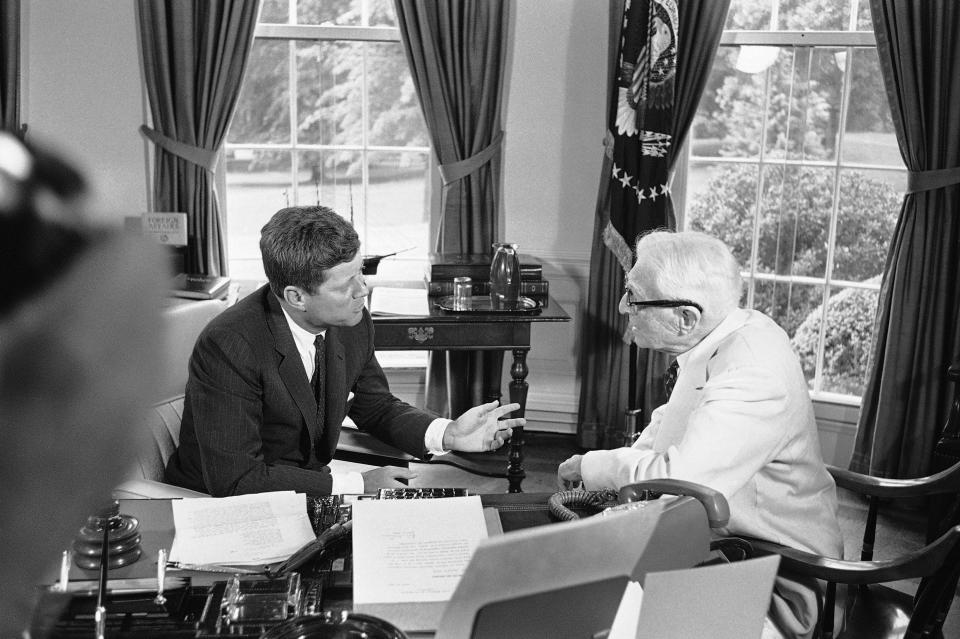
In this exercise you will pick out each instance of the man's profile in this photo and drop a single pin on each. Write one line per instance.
(269, 378)
(739, 419)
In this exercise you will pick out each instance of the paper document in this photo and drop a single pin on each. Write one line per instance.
(723, 601)
(385, 300)
(413, 550)
(240, 531)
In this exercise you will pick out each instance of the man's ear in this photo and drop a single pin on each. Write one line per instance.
(687, 319)
(295, 297)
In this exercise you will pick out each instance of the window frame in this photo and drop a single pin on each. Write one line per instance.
(292, 34)
(848, 41)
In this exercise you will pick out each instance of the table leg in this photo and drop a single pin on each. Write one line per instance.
(518, 394)
(493, 371)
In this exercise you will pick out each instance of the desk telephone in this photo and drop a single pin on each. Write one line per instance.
(569, 504)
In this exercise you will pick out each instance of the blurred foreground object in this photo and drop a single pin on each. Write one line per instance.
(79, 329)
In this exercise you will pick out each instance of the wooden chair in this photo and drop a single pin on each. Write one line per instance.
(872, 610)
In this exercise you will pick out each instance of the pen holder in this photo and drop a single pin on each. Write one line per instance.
(123, 539)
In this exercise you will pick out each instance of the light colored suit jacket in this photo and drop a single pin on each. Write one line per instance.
(250, 417)
(740, 421)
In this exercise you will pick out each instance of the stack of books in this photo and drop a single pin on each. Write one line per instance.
(444, 267)
(200, 287)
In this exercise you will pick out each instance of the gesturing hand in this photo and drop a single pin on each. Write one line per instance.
(479, 429)
(568, 474)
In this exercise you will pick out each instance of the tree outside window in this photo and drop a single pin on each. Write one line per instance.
(794, 163)
(328, 114)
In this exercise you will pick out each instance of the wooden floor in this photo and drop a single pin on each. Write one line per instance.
(896, 533)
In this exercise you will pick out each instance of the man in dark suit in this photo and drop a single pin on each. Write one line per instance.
(252, 421)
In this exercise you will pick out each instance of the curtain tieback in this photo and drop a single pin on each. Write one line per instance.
(458, 170)
(608, 144)
(928, 180)
(199, 156)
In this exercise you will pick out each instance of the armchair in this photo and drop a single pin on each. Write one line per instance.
(873, 610)
(159, 427)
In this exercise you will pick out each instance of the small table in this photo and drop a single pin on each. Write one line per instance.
(440, 330)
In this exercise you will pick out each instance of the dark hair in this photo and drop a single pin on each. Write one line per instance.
(36, 246)
(300, 243)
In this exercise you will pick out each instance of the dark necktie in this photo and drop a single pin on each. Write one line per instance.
(319, 372)
(670, 377)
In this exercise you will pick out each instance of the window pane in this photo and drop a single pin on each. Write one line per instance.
(749, 14)
(869, 136)
(804, 87)
(330, 92)
(395, 115)
(275, 11)
(818, 90)
(815, 15)
(346, 12)
(382, 13)
(788, 303)
(798, 15)
(333, 12)
(258, 185)
(864, 17)
(869, 207)
(398, 208)
(263, 108)
(847, 340)
(721, 201)
(795, 220)
(729, 118)
(331, 178)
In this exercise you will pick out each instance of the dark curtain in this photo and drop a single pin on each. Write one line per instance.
(456, 54)
(637, 160)
(194, 55)
(917, 335)
(10, 65)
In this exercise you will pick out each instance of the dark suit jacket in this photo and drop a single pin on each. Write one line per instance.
(249, 420)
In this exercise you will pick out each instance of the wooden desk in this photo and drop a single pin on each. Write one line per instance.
(494, 333)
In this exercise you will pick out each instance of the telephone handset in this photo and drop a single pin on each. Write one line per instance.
(562, 504)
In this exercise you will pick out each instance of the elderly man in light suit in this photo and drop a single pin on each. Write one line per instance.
(739, 419)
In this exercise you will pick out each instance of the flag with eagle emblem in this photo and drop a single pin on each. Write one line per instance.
(641, 121)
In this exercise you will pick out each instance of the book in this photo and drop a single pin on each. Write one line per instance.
(200, 287)
(530, 288)
(446, 266)
(165, 228)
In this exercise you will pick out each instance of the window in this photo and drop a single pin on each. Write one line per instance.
(328, 114)
(793, 161)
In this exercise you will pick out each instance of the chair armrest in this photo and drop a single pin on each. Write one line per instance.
(946, 481)
(363, 448)
(713, 501)
(913, 565)
(149, 489)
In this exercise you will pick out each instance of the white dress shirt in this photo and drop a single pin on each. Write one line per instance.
(351, 483)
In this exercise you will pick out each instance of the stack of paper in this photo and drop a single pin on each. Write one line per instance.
(236, 531)
(385, 300)
(409, 556)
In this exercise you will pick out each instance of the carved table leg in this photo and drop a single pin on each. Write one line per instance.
(518, 394)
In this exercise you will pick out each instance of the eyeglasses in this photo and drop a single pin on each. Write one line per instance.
(663, 303)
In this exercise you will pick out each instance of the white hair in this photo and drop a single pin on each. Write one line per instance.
(690, 265)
